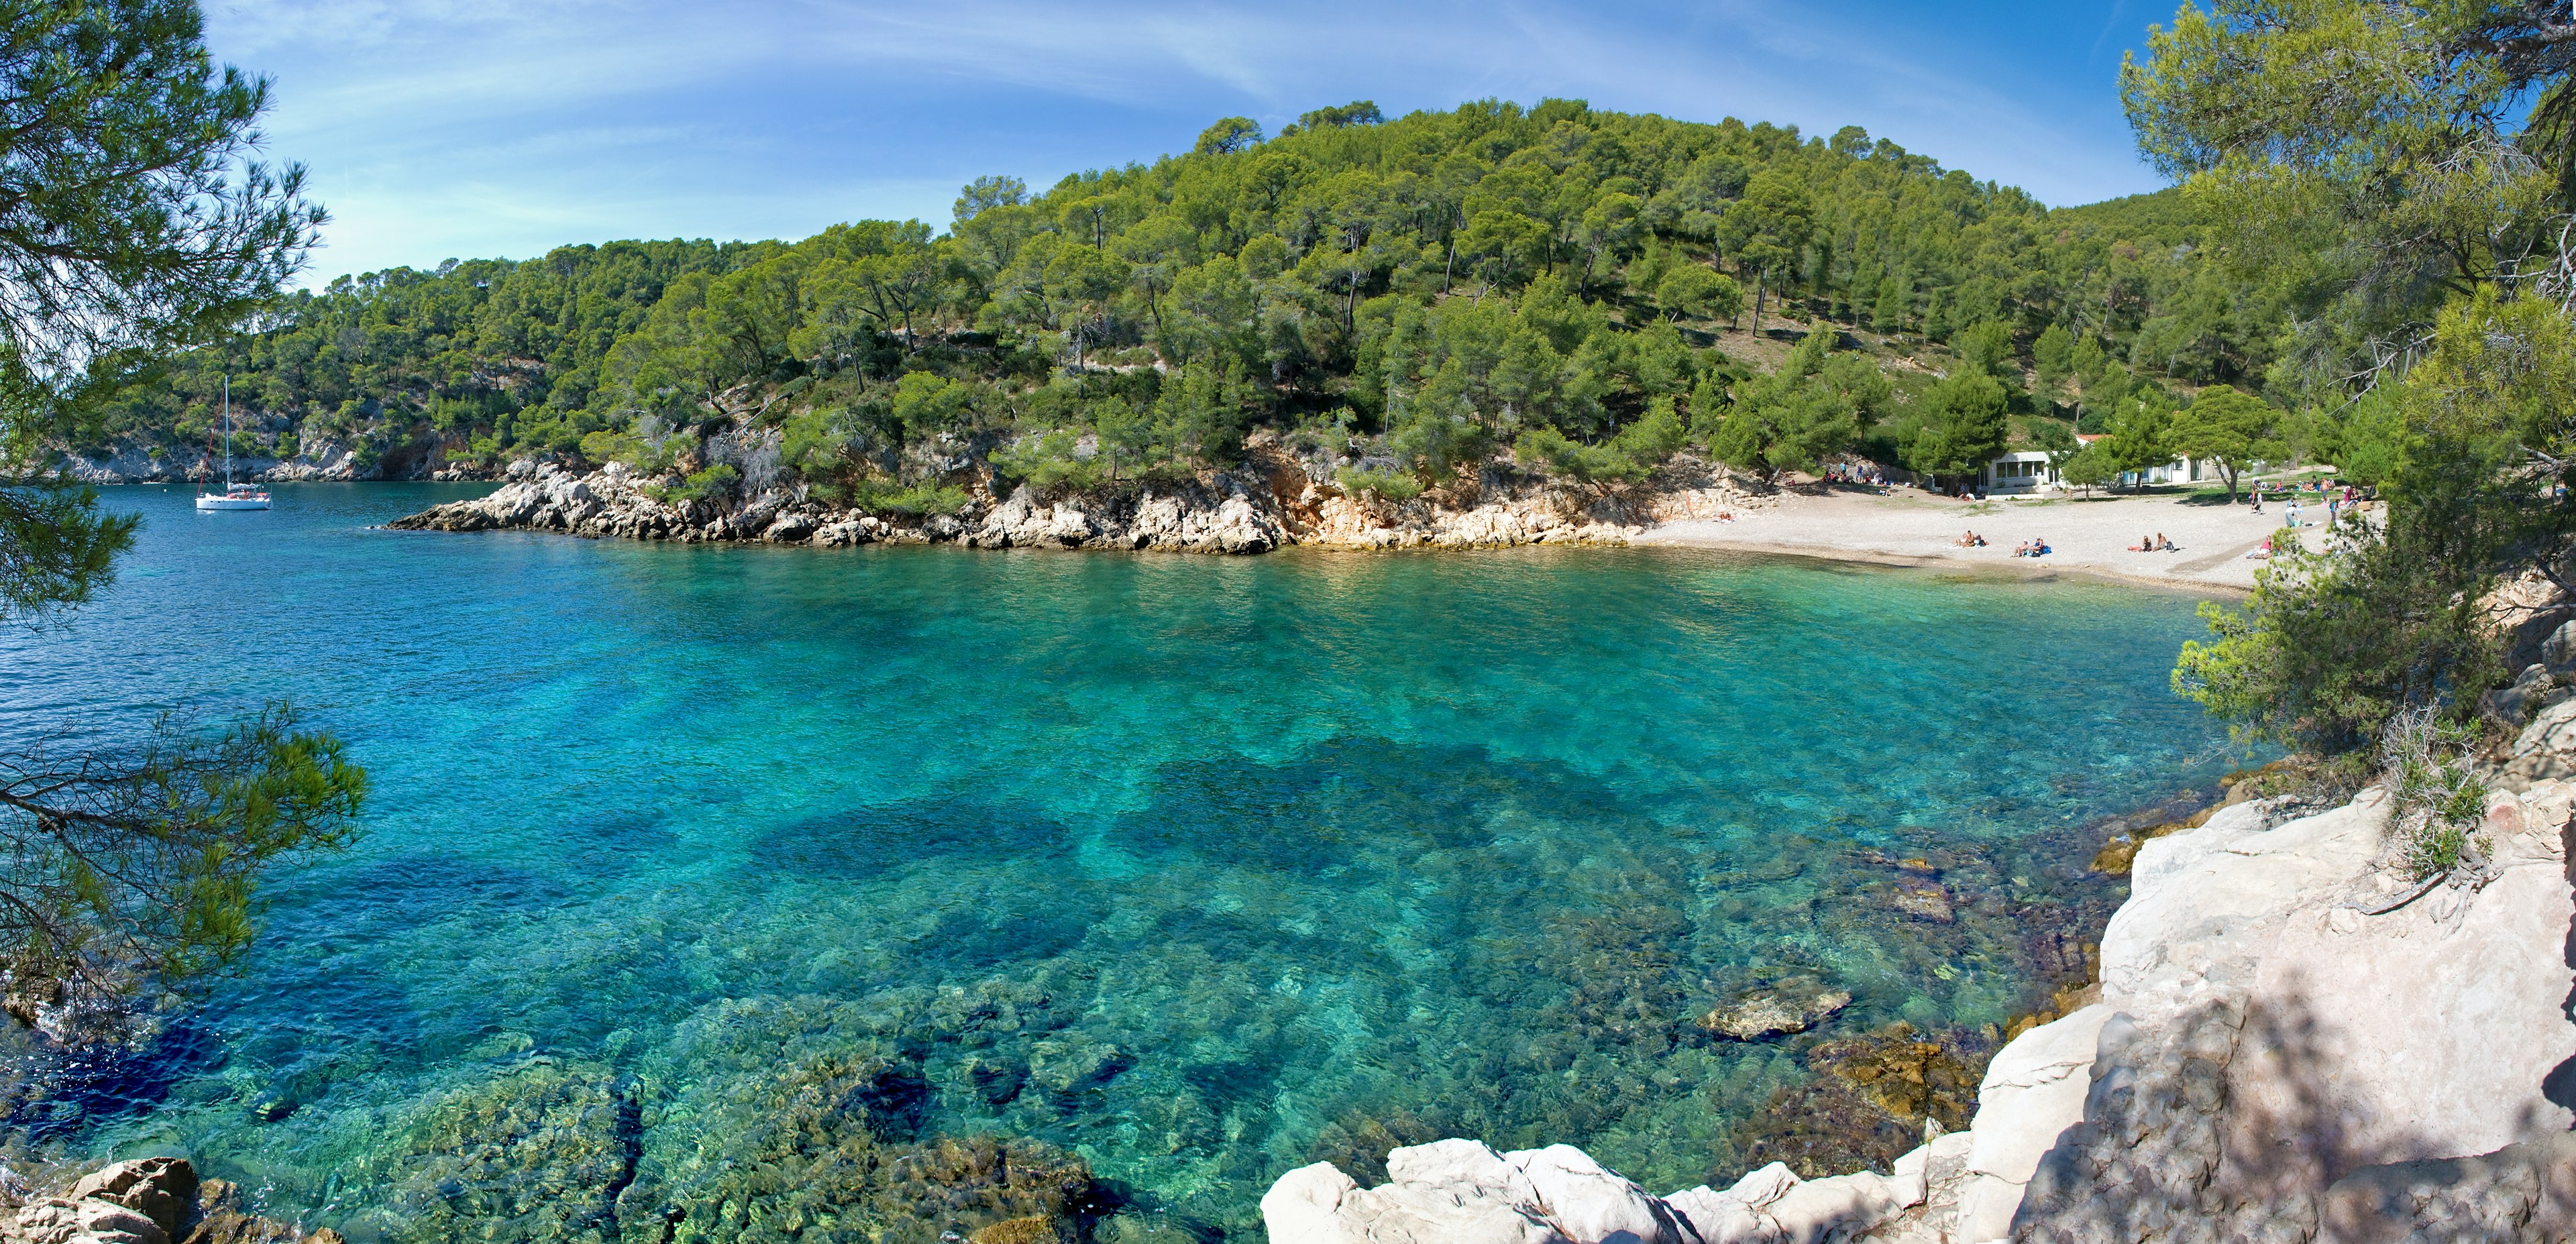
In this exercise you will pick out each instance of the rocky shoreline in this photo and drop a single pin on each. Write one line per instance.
(1277, 499)
(148, 1201)
(320, 461)
(2289, 1042)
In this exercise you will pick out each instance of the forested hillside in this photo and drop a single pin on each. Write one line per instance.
(1580, 289)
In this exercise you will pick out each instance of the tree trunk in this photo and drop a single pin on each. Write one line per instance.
(1758, 275)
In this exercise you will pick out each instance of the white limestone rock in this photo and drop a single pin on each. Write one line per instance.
(1773, 1206)
(1590, 1205)
(2033, 1090)
(2421, 1033)
(1742, 1213)
(1449, 1191)
(2545, 749)
(2202, 901)
(62, 1220)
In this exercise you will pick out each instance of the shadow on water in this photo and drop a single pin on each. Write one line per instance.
(53, 1094)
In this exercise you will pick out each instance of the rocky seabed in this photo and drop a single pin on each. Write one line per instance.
(1251, 511)
(2291, 1044)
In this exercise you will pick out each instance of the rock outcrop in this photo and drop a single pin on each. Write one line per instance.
(1462, 1192)
(317, 461)
(149, 1201)
(2293, 1043)
(1274, 501)
(1790, 1006)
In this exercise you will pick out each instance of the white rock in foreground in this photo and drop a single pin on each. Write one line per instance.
(2283, 1051)
(1462, 1192)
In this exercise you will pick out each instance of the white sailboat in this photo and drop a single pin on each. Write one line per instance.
(234, 496)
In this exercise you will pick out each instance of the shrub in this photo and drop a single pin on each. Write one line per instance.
(928, 497)
(714, 481)
(1390, 483)
(2436, 797)
(1048, 464)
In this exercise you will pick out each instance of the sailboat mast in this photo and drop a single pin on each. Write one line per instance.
(228, 434)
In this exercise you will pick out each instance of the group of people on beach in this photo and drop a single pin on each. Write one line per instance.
(2336, 500)
(2157, 543)
(1863, 473)
(2037, 547)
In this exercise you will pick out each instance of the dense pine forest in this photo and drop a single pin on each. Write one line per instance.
(1584, 292)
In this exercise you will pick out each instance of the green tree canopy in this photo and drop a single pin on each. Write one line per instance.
(1324, 262)
(130, 223)
(2378, 154)
(1965, 424)
(1815, 407)
(2229, 428)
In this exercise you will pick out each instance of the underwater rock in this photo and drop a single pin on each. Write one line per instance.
(771, 1117)
(1071, 1066)
(995, 1080)
(1820, 1127)
(1925, 900)
(536, 1152)
(1913, 1079)
(1868, 1101)
(1789, 1006)
(1032, 1230)
(2114, 858)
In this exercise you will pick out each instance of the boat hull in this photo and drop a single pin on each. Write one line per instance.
(232, 503)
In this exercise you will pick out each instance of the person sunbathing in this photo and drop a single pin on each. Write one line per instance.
(2165, 544)
(1967, 540)
(2147, 545)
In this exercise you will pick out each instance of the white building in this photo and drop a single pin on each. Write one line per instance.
(2178, 471)
(2016, 473)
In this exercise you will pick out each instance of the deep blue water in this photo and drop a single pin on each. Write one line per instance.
(1218, 857)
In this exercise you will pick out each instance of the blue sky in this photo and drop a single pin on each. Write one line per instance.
(481, 128)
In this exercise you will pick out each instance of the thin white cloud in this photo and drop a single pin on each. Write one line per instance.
(476, 127)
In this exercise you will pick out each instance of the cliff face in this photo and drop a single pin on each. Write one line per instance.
(2291, 1044)
(1274, 500)
(319, 461)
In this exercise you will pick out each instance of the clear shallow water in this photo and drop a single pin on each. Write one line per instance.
(1192, 865)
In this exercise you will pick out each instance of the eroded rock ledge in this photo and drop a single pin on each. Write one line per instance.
(1274, 501)
(149, 1201)
(2283, 1051)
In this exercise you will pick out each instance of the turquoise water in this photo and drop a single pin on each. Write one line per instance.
(1190, 865)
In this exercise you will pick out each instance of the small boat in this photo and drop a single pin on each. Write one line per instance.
(234, 496)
